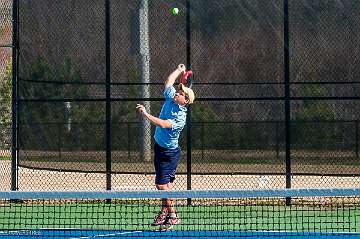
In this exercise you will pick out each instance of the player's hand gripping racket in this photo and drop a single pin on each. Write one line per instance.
(187, 78)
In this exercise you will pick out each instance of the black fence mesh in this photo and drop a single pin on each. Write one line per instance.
(70, 55)
(324, 77)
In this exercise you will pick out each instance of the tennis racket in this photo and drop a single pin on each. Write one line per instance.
(187, 78)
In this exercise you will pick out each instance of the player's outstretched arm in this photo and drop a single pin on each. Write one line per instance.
(174, 75)
(155, 120)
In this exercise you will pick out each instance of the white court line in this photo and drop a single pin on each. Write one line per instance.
(107, 235)
(302, 232)
(23, 232)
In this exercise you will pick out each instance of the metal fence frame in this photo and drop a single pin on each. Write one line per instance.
(287, 99)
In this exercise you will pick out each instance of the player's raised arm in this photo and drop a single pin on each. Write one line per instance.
(155, 120)
(174, 75)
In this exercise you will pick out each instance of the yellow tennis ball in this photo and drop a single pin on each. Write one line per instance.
(175, 11)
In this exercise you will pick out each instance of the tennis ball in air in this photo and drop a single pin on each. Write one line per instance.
(175, 11)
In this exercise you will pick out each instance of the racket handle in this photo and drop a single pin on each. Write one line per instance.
(186, 76)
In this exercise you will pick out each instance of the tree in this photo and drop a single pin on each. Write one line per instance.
(47, 121)
(314, 127)
(5, 108)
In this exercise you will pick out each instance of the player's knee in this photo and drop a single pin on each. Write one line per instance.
(162, 186)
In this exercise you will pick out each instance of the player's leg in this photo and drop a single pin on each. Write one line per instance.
(166, 202)
(173, 217)
(168, 210)
(161, 217)
(168, 216)
(160, 182)
(166, 162)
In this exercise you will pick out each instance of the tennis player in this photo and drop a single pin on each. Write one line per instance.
(171, 121)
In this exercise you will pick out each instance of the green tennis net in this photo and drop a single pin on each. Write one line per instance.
(294, 213)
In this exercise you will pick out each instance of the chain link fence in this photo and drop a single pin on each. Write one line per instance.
(5, 92)
(81, 72)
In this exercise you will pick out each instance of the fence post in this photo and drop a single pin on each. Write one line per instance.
(287, 98)
(14, 144)
(188, 120)
(357, 138)
(277, 140)
(129, 140)
(202, 140)
(108, 93)
(59, 138)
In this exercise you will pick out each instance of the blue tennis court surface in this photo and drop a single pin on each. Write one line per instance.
(84, 234)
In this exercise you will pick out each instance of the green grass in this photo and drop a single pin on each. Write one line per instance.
(5, 158)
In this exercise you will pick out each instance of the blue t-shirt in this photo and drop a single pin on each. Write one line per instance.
(176, 114)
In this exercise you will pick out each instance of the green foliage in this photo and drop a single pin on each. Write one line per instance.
(209, 133)
(202, 112)
(48, 121)
(5, 158)
(310, 130)
(5, 108)
(204, 134)
(125, 112)
(5, 96)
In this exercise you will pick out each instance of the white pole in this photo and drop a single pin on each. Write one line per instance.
(145, 78)
(68, 116)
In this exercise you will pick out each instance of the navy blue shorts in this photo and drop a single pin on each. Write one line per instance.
(165, 162)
